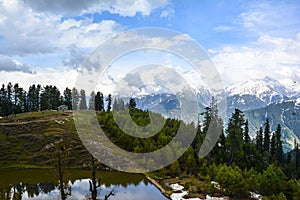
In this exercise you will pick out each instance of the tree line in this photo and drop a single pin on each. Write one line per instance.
(14, 99)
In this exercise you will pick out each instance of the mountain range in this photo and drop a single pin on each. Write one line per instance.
(259, 99)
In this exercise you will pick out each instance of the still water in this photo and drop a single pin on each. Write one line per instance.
(36, 184)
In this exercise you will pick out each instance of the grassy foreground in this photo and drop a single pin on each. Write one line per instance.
(29, 140)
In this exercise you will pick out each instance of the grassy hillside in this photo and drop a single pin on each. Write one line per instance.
(30, 139)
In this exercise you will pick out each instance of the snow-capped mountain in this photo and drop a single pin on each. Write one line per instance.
(169, 105)
(259, 93)
(253, 94)
(267, 90)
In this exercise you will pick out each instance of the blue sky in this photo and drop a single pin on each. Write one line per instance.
(46, 41)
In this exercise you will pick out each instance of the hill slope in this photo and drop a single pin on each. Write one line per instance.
(31, 138)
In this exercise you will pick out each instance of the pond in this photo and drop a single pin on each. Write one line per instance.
(33, 184)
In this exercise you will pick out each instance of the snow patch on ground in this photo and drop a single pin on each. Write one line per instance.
(255, 196)
(215, 198)
(176, 187)
(180, 194)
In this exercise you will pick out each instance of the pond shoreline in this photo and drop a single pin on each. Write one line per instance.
(158, 186)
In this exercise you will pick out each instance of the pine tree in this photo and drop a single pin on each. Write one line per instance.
(259, 140)
(31, 98)
(132, 103)
(75, 99)
(296, 160)
(3, 95)
(9, 98)
(99, 104)
(68, 98)
(18, 99)
(109, 103)
(45, 100)
(278, 150)
(82, 103)
(266, 144)
(235, 137)
(92, 101)
(38, 97)
(50, 98)
(246, 133)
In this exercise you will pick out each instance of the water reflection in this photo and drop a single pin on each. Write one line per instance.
(42, 184)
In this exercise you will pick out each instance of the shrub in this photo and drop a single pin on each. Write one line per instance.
(232, 181)
(272, 181)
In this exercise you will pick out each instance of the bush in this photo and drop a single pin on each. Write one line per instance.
(252, 179)
(187, 185)
(232, 181)
(279, 196)
(272, 181)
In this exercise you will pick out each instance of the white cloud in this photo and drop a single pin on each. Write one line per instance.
(269, 56)
(45, 33)
(78, 7)
(9, 65)
(276, 18)
(85, 33)
(167, 13)
(39, 27)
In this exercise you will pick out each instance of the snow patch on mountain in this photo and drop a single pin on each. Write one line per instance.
(297, 103)
(267, 90)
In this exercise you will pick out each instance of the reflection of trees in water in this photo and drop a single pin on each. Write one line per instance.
(94, 184)
(61, 155)
(47, 187)
(5, 193)
(32, 190)
(16, 192)
(11, 188)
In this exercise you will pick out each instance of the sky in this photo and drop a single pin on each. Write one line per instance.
(45, 42)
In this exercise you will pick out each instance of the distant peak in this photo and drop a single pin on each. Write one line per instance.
(269, 79)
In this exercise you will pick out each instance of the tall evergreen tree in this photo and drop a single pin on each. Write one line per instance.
(235, 137)
(82, 103)
(31, 96)
(3, 96)
(109, 99)
(9, 98)
(68, 98)
(19, 100)
(37, 98)
(259, 140)
(50, 98)
(16, 98)
(45, 99)
(92, 101)
(75, 99)
(246, 133)
(278, 150)
(99, 104)
(132, 103)
(266, 144)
